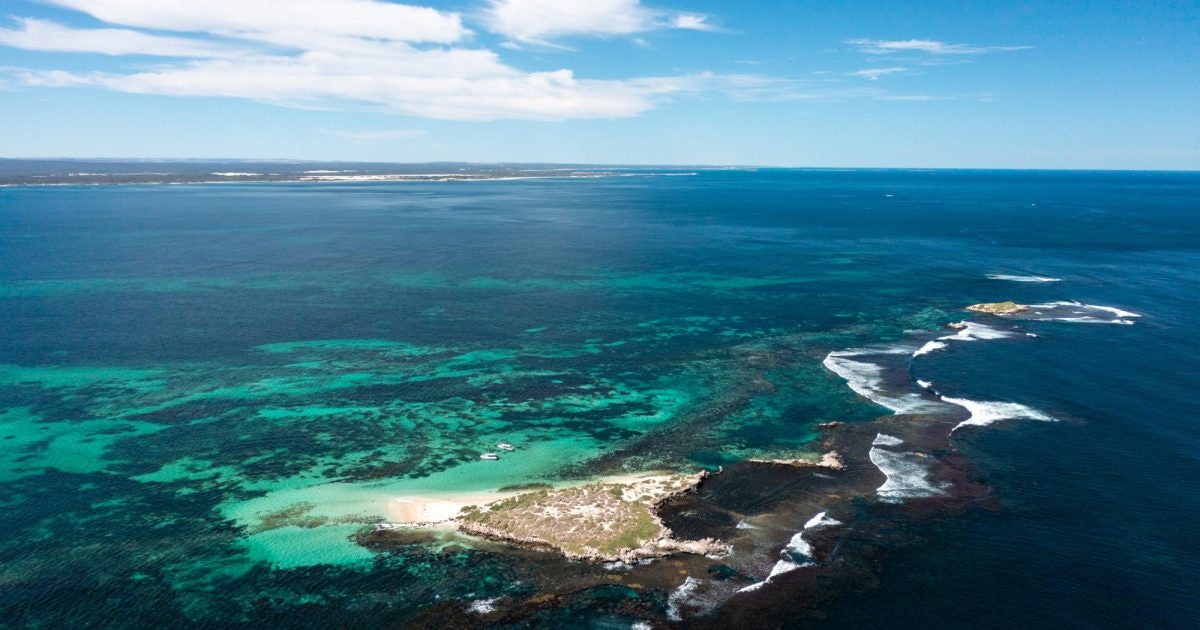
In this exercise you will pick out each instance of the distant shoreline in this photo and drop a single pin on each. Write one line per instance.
(123, 174)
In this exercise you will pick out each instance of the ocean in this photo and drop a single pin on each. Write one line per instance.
(210, 393)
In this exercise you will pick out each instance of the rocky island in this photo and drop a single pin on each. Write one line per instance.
(999, 308)
(607, 521)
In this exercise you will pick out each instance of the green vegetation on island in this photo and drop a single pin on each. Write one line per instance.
(604, 521)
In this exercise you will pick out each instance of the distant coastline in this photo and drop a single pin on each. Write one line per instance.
(66, 172)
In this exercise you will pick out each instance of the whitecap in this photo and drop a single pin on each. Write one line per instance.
(975, 331)
(781, 567)
(906, 472)
(744, 525)
(785, 566)
(984, 413)
(821, 520)
(753, 587)
(680, 596)
(924, 384)
(1015, 278)
(1080, 313)
(798, 550)
(1114, 310)
(882, 439)
(866, 379)
(930, 346)
(483, 606)
(798, 553)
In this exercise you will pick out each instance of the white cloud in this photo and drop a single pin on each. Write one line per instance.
(298, 23)
(33, 34)
(377, 135)
(430, 84)
(363, 54)
(692, 21)
(929, 46)
(539, 21)
(873, 74)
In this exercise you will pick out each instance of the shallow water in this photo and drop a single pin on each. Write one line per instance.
(208, 393)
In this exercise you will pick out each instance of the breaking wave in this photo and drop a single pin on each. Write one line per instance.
(984, 413)
(1014, 278)
(930, 346)
(680, 596)
(866, 379)
(798, 553)
(1080, 313)
(907, 475)
(974, 331)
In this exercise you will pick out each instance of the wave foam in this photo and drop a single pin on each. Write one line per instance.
(906, 472)
(680, 596)
(882, 439)
(1080, 313)
(797, 553)
(753, 587)
(930, 346)
(977, 332)
(984, 413)
(1013, 278)
(483, 606)
(799, 550)
(866, 379)
(821, 520)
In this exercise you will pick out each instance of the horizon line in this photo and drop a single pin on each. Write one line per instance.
(588, 164)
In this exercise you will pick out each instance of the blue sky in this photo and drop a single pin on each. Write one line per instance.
(1065, 84)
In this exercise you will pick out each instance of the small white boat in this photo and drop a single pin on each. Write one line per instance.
(505, 446)
(489, 456)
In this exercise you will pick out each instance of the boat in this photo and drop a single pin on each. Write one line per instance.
(489, 456)
(505, 446)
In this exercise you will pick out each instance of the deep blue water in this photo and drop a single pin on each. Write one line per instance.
(1095, 522)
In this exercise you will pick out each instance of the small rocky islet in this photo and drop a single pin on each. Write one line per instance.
(999, 308)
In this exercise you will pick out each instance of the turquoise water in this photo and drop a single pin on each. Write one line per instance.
(209, 394)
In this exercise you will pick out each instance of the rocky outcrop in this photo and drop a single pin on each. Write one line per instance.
(829, 460)
(999, 308)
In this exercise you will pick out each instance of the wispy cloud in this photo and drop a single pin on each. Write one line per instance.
(541, 21)
(377, 135)
(299, 23)
(873, 74)
(920, 98)
(33, 34)
(928, 46)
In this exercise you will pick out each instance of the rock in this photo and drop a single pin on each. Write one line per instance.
(829, 460)
(999, 308)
